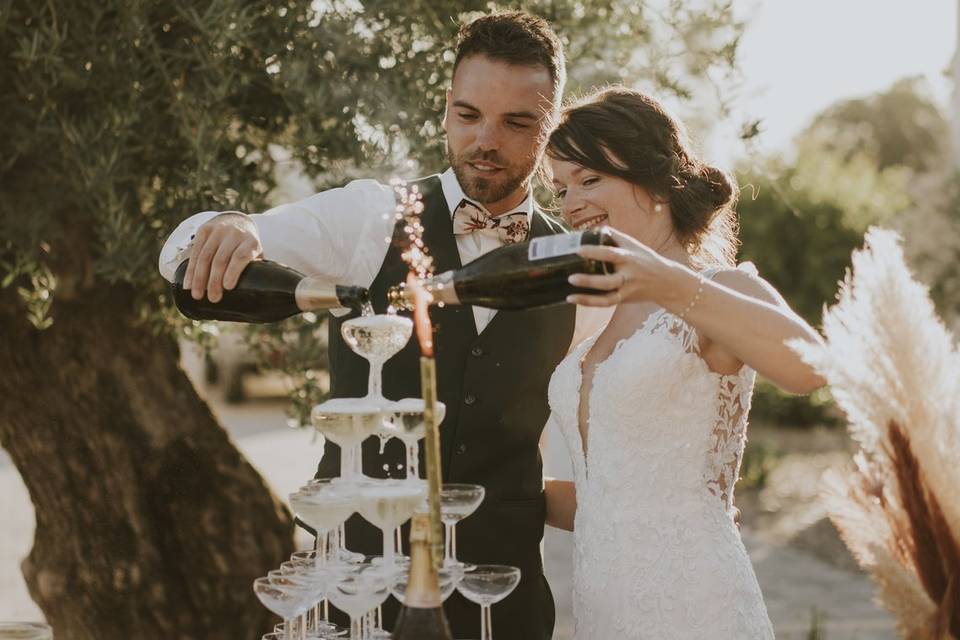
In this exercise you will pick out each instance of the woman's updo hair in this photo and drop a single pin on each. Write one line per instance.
(623, 133)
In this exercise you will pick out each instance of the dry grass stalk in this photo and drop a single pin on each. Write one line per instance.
(895, 370)
(926, 535)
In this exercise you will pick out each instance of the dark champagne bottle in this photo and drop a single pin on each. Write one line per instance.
(267, 292)
(421, 617)
(516, 276)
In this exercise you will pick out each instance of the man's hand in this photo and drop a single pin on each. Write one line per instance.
(221, 249)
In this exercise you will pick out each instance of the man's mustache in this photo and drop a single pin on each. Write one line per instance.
(485, 156)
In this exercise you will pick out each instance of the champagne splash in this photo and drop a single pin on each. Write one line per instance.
(409, 210)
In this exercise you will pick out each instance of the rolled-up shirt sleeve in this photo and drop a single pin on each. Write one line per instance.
(340, 235)
(175, 248)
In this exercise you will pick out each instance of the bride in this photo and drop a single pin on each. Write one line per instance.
(654, 406)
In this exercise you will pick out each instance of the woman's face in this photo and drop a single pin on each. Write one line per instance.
(590, 198)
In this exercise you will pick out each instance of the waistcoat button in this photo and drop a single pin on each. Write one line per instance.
(469, 399)
(461, 449)
(477, 351)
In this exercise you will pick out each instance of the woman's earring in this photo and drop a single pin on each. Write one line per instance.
(657, 208)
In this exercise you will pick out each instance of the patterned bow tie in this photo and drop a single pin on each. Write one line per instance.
(510, 227)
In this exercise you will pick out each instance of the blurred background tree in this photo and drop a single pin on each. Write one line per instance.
(881, 159)
(119, 120)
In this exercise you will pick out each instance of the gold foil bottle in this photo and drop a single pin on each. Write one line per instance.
(421, 617)
(267, 292)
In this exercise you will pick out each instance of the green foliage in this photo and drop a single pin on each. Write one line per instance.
(773, 406)
(899, 127)
(121, 118)
(932, 240)
(800, 218)
(759, 461)
(816, 630)
(801, 245)
(298, 347)
(945, 279)
(37, 295)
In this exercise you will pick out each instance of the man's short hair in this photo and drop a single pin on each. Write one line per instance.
(515, 37)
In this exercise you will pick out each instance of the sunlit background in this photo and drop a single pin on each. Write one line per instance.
(797, 58)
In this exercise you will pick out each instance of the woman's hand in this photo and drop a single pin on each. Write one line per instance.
(641, 274)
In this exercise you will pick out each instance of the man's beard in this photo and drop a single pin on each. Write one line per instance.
(488, 190)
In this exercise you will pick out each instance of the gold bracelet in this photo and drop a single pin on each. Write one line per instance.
(696, 297)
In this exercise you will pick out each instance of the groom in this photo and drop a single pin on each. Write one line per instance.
(492, 367)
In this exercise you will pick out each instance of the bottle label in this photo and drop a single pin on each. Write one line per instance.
(553, 246)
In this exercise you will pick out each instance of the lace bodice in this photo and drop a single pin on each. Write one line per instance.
(655, 490)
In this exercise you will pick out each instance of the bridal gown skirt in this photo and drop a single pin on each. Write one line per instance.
(675, 574)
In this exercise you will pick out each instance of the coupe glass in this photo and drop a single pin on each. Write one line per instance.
(410, 427)
(376, 338)
(457, 501)
(486, 585)
(358, 589)
(330, 632)
(387, 504)
(324, 504)
(448, 578)
(347, 422)
(283, 598)
(25, 631)
(317, 580)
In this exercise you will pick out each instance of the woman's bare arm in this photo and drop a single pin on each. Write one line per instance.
(561, 503)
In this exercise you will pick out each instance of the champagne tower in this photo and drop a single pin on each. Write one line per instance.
(517, 276)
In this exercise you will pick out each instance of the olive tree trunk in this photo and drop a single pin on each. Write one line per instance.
(150, 523)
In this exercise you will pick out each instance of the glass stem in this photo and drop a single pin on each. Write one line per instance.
(357, 460)
(398, 539)
(415, 460)
(489, 619)
(448, 546)
(323, 550)
(484, 632)
(288, 628)
(375, 381)
(318, 546)
(389, 551)
(346, 461)
(302, 626)
(453, 541)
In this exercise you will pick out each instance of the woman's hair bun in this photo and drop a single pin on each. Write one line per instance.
(721, 185)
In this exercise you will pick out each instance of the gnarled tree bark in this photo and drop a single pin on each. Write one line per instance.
(150, 524)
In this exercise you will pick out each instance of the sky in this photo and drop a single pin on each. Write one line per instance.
(800, 56)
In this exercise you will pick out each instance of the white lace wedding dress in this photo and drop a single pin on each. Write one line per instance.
(657, 552)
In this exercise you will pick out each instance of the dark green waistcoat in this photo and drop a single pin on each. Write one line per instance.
(494, 386)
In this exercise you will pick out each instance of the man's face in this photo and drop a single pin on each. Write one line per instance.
(496, 121)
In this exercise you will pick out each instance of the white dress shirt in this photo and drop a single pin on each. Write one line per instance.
(340, 235)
